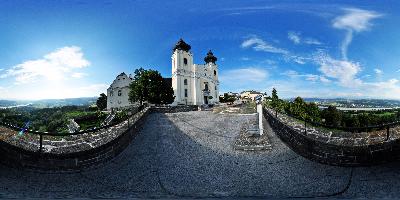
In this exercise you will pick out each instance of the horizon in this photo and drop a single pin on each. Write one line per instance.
(311, 50)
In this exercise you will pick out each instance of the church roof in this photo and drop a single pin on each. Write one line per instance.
(210, 57)
(182, 45)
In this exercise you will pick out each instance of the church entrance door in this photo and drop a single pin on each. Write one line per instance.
(205, 99)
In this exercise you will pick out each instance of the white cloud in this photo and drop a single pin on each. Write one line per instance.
(53, 66)
(354, 20)
(308, 77)
(378, 72)
(312, 41)
(324, 79)
(294, 37)
(245, 58)
(342, 70)
(398, 70)
(261, 45)
(297, 59)
(243, 77)
(78, 75)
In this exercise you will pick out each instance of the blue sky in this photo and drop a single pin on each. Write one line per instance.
(62, 49)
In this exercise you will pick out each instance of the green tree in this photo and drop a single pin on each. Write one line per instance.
(102, 102)
(167, 93)
(332, 116)
(274, 99)
(148, 85)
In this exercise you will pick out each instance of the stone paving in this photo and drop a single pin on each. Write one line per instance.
(190, 155)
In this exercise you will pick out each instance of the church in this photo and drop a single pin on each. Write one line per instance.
(193, 84)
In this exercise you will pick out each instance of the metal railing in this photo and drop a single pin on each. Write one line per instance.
(365, 129)
(60, 134)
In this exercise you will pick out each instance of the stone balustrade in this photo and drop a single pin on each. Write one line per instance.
(343, 151)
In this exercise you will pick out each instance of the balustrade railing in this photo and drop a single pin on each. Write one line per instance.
(386, 126)
(59, 134)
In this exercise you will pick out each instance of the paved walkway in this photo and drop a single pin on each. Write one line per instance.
(190, 155)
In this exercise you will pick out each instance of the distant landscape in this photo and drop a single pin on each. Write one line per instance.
(49, 103)
(354, 103)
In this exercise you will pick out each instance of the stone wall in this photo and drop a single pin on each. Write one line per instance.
(15, 156)
(174, 109)
(333, 154)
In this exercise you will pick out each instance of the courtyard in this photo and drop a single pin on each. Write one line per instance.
(191, 155)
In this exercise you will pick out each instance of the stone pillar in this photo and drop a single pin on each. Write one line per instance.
(260, 117)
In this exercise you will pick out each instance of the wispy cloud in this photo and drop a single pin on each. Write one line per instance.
(246, 75)
(312, 41)
(296, 38)
(378, 71)
(53, 66)
(261, 45)
(308, 77)
(354, 20)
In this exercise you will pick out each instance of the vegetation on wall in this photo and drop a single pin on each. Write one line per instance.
(52, 119)
(331, 116)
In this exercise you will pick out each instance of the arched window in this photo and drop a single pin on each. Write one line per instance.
(119, 93)
(206, 86)
(185, 82)
(186, 93)
(185, 61)
(215, 73)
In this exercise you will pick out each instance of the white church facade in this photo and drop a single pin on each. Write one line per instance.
(193, 84)
(117, 93)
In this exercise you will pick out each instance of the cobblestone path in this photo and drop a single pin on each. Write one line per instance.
(188, 155)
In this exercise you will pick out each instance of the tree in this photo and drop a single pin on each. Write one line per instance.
(333, 117)
(102, 102)
(167, 93)
(148, 85)
(274, 99)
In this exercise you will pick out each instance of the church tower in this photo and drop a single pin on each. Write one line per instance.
(182, 64)
(193, 84)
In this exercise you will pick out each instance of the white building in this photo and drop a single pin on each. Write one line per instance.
(117, 93)
(193, 84)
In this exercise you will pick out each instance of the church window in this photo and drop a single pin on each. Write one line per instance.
(215, 87)
(119, 93)
(205, 86)
(215, 73)
(185, 61)
(112, 93)
(185, 82)
(186, 93)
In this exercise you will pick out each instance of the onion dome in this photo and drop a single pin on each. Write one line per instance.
(182, 45)
(210, 57)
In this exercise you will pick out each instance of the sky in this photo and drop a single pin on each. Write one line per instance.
(328, 49)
